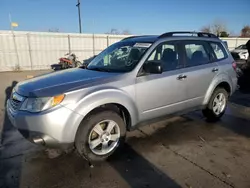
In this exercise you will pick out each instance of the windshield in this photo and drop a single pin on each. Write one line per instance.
(119, 57)
(241, 47)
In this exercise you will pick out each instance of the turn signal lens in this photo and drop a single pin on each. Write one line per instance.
(57, 99)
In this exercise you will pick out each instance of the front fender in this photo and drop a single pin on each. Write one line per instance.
(216, 81)
(102, 97)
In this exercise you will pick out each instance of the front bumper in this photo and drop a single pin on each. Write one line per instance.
(53, 128)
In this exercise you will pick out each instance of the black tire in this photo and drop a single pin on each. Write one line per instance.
(83, 132)
(63, 65)
(78, 64)
(208, 112)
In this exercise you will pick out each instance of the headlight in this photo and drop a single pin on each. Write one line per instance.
(41, 104)
(244, 53)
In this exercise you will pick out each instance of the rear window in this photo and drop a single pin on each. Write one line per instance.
(219, 50)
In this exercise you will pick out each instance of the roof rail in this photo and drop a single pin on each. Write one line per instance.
(198, 34)
(129, 37)
(135, 36)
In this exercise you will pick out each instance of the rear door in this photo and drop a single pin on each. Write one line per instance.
(200, 69)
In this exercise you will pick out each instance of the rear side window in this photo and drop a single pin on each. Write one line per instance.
(219, 50)
(196, 53)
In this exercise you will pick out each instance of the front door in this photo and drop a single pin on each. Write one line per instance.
(162, 94)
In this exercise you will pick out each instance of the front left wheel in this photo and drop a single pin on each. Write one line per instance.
(99, 135)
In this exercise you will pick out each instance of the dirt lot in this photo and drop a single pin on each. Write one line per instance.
(182, 151)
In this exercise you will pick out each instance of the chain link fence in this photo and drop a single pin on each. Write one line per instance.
(20, 50)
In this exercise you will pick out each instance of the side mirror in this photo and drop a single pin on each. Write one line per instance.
(153, 67)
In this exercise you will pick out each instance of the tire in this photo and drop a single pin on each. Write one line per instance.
(78, 64)
(209, 112)
(85, 134)
(63, 65)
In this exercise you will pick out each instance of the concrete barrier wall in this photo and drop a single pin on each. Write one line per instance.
(24, 50)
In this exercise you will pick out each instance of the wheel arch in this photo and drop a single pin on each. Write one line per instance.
(118, 108)
(114, 100)
(226, 86)
(223, 82)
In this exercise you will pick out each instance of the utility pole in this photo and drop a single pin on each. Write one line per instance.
(79, 15)
(14, 40)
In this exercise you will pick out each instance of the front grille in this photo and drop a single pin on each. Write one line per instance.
(14, 103)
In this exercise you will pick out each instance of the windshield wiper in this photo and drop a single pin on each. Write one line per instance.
(98, 69)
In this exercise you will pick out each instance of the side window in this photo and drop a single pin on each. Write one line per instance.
(219, 50)
(167, 54)
(196, 54)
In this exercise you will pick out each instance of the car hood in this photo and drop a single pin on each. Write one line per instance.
(55, 83)
(239, 50)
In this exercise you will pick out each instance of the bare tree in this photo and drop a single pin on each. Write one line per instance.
(113, 31)
(55, 30)
(218, 27)
(245, 31)
(117, 32)
(206, 29)
(126, 32)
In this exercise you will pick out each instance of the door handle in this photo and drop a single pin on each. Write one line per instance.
(181, 77)
(215, 70)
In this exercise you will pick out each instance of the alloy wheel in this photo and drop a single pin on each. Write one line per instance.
(104, 137)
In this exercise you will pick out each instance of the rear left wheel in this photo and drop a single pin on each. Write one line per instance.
(99, 135)
(217, 105)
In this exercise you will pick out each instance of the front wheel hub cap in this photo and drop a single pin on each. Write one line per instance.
(104, 137)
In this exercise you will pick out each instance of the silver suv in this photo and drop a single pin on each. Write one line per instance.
(138, 79)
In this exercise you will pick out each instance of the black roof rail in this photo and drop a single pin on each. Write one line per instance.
(199, 34)
(129, 37)
(204, 34)
(136, 36)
